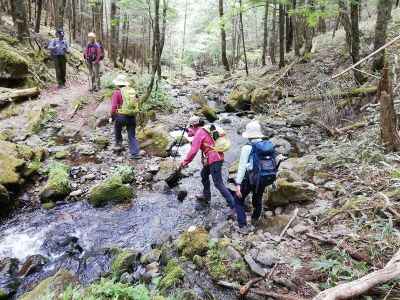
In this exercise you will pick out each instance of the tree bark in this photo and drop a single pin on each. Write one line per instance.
(39, 5)
(272, 40)
(289, 30)
(223, 35)
(113, 31)
(265, 41)
(59, 7)
(355, 37)
(184, 35)
(298, 30)
(308, 32)
(20, 18)
(384, 9)
(243, 39)
(281, 36)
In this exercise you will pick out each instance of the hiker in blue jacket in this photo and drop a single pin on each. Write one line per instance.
(58, 49)
(257, 169)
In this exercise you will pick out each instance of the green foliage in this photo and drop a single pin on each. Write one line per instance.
(126, 172)
(339, 266)
(173, 275)
(159, 98)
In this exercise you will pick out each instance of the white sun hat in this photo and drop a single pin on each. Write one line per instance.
(91, 35)
(194, 120)
(121, 80)
(253, 131)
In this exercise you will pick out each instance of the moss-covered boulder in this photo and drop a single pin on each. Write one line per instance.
(111, 190)
(290, 192)
(52, 287)
(124, 261)
(305, 166)
(223, 266)
(193, 242)
(261, 97)
(126, 172)
(155, 140)
(58, 185)
(209, 113)
(239, 99)
(173, 275)
(101, 141)
(5, 202)
(199, 99)
(38, 116)
(12, 63)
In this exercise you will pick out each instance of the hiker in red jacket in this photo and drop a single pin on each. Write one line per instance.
(93, 55)
(212, 162)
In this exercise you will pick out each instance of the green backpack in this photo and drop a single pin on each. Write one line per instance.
(130, 104)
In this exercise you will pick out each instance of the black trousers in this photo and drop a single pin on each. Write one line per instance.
(60, 63)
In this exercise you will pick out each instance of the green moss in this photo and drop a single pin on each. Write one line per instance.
(101, 141)
(32, 168)
(8, 38)
(49, 205)
(12, 62)
(53, 286)
(154, 140)
(173, 274)
(124, 261)
(61, 154)
(10, 164)
(111, 190)
(291, 192)
(58, 185)
(193, 242)
(39, 116)
(209, 113)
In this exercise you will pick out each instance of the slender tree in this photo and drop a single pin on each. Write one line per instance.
(114, 38)
(223, 35)
(355, 37)
(281, 35)
(59, 6)
(20, 18)
(243, 39)
(272, 40)
(384, 14)
(265, 41)
(39, 5)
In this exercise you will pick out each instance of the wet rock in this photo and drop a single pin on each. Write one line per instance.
(181, 195)
(127, 278)
(55, 284)
(290, 192)
(12, 64)
(282, 146)
(305, 166)
(5, 202)
(193, 242)
(173, 275)
(151, 257)
(101, 141)
(155, 140)
(209, 113)
(85, 149)
(8, 277)
(166, 168)
(267, 257)
(111, 190)
(32, 265)
(254, 267)
(102, 114)
(76, 193)
(125, 261)
(58, 185)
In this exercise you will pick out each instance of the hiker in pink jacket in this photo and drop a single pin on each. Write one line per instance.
(212, 162)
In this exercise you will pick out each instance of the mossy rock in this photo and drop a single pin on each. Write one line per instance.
(32, 168)
(209, 113)
(12, 63)
(155, 140)
(199, 99)
(111, 190)
(8, 38)
(305, 166)
(11, 165)
(126, 172)
(51, 288)
(49, 205)
(221, 266)
(6, 204)
(239, 99)
(173, 275)
(38, 116)
(290, 192)
(58, 185)
(261, 97)
(124, 262)
(101, 141)
(193, 242)
(61, 154)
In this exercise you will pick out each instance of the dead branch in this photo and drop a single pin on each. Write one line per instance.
(266, 293)
(245, 289)
(9, 95)
(339, 131)
(295, 213)
(287, 69)
(360, 286)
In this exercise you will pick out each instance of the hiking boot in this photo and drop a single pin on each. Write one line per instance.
(136, 156)
(203, 199)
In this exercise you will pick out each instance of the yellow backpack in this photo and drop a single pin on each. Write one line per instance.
(130, 104)
(221, 140)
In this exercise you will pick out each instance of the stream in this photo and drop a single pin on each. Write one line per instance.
(77, 237)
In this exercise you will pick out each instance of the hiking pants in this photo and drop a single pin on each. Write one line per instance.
(215, 170)
(246, 188)
(60, 64)
(94, 75)
(130, 124)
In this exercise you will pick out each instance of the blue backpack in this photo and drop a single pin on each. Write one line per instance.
(265, 168)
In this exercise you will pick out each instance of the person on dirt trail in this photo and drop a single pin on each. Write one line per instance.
(124, 107)
(93, 55)
(258, 167)
(58, 49)
(212, 163)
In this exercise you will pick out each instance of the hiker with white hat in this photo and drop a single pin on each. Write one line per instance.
(94, 54)
(257, 169)
(212, 160)
(124, 108)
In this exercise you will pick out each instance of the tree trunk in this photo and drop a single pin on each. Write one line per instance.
(289, 30)
(73, 13)
(114, 41)
(243, 39)
(265, 42)
(355, 37)
(384, 14)
(39, 5)
(223, 35)
(20, 17)
(184, 35)
(308, 32)
(281, 36)
(59, 7)
(272, 40)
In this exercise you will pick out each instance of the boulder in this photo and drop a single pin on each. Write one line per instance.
(193, 242)
(124, 261)
(102, 114)
(151, 257)
(209, 113)
(52, 287)
(166, 168)
(282, 146)
(274, 224)
(290, 192)
(58, 185)
(111, 190)
(38, 116)
(239, 99)
(305, 166)
(8, 278)
(5, 202)
(155, 140)
(261, 97)
(12, 64)
(33, 264)
(199, 99)
(70, 132)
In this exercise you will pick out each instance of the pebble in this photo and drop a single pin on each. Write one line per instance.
(76, 193)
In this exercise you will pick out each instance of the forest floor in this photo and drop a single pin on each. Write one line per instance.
(341, 192)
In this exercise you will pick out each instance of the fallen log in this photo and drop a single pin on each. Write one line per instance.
(339, 131)
(364, 284)
(295, 213)
(356, 92)
(10, 95)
